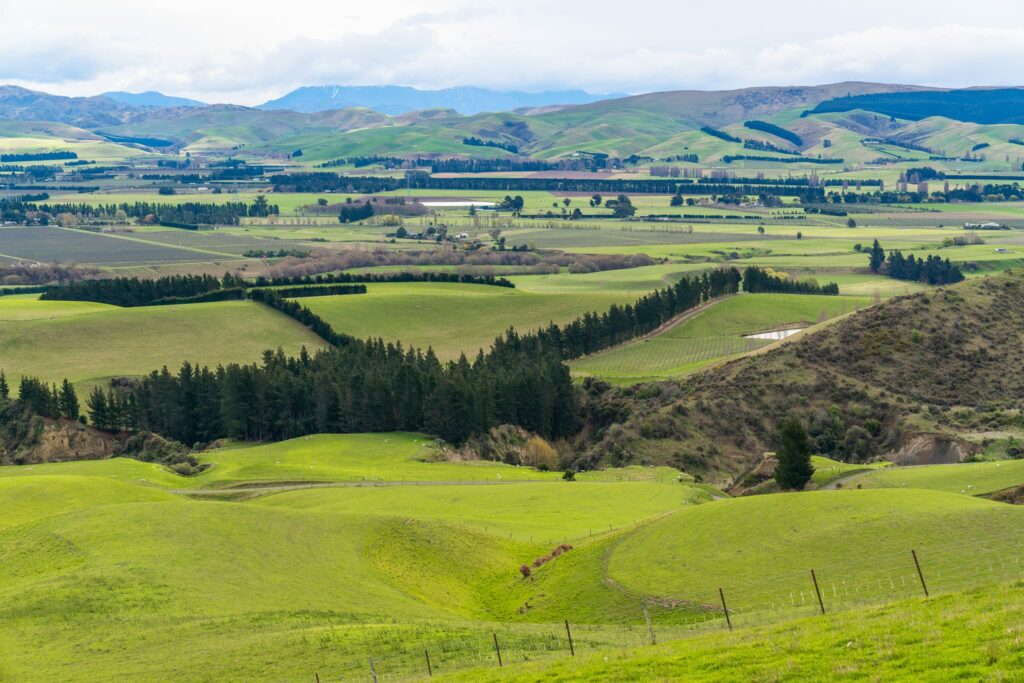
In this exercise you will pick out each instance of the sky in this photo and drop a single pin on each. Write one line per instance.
(249, 52)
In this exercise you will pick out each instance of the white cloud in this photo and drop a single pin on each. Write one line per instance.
(226, 51)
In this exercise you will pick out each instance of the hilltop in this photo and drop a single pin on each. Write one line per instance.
(905, 379)
(850, 123)
(394, 100)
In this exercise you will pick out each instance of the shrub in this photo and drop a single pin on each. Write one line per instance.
(538, 453)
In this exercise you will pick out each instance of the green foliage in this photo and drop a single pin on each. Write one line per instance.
(794, 469)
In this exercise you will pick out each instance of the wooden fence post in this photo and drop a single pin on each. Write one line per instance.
(572, 649)
(373, 673)
(920, 574)
(818, 591)
(647, 618)
(430, 670)
(725, 608)
(497, 649)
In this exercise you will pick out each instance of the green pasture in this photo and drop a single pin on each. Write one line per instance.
(711, 335)
(552, 511)
(827, 470)
(971, 478)
(761, 549)
(961, 636)
(453, 318)
(88, 342)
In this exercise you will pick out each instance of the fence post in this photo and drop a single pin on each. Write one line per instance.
(430, 670)
(725, 609)
(373, 673)
(497, 648)
(317, 677)
(647, 618)
(572, 650)
(920, 574)
(818, 591)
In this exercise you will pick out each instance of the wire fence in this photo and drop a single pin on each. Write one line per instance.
(431, 649)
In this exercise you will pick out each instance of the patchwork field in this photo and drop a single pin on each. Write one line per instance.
(392, 556)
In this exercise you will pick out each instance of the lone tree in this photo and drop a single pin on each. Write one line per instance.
(876, 257)
(794, 455)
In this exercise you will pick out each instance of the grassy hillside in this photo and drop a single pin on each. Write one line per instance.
(970, 636)
(925, 363)
(87, 342)
(761, 549)
(153, 586)
(320, 576)
(974, 478)
(29, 498)
(713, 334)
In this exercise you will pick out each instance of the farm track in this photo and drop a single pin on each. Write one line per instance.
(277, 488)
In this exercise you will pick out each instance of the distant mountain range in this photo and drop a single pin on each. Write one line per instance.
(151, 98)
(843, 123)
(394, 99)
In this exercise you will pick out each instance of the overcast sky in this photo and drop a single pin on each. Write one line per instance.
(248, 52)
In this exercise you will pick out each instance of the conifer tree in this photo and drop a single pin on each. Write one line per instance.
(794, 469)
(68, 401)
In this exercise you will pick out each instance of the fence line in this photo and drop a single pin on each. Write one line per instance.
(923, 571)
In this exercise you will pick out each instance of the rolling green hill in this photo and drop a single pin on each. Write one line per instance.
(915, 639)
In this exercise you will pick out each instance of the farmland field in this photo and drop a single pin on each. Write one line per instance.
(62, 245)
(974, 478)
(713, 334)
(453, 319)
(135, 341)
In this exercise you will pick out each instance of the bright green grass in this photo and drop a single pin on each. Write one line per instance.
(88, 342)
(973, 478)
(827, 470)
(127, 470)
(321, 458)
(964, 636)
(29, 498)
(96, 577)
(751, 313)
(22, 307)
(548, 512)
(711, 335)
(761, 549)
(452, 318)
(395, 456)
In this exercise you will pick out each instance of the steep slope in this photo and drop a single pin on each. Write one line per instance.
(978, 105)
(912, 373)
(21, 104)
(724, 107)
(151, 98)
